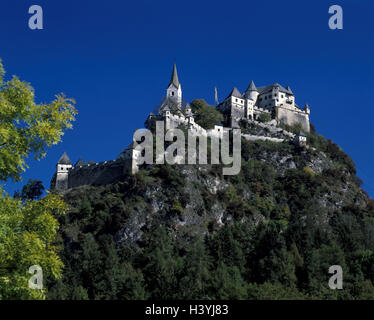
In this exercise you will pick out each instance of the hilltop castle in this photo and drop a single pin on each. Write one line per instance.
(274, 100)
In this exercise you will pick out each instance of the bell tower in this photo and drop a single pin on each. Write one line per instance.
(174, 90)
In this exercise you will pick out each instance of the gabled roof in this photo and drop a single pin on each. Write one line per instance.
(64, 159)
(301, 134)
(174, 77)
(289, 89)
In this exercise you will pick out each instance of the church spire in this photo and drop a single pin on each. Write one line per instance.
(174, 77)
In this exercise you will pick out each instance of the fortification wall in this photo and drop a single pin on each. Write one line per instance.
(250, 137)
(291, 117)
(98, 174)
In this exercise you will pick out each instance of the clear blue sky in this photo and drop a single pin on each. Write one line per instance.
(115, 59)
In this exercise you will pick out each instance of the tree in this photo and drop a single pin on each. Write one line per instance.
(162, 265)
(264, 117)
(27, 127)
(195, 282)
(205, 115)
(32, 190)
(28, 230)
(27, 234)
(228, 284)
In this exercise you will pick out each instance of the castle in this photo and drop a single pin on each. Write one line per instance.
(275, 101)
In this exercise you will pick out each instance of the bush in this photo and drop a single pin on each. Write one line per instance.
(205, 115)
(264, 117)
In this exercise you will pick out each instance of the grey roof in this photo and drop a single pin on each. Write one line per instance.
(252, 87)
(235, 93)
(289, 89)
(64, 159)
(269, 88)
(174, 77)
(80, 162)
(302, 134)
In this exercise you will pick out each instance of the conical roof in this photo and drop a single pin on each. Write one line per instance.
(64, 159)
(252, 87)
(174, 77)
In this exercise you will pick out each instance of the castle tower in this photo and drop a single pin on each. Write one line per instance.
(174, 90)
(251, 92)
(62, 172)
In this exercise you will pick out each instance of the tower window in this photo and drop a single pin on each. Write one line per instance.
(172, 93)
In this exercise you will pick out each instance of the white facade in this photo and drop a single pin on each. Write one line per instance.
(275, 100)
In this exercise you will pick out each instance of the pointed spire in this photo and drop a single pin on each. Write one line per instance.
(174, 77)
(64, 159)
(252, 86)
(289, 89)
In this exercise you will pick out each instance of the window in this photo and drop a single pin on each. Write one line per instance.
(172, 93)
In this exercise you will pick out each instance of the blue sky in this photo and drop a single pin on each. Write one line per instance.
(115, 59)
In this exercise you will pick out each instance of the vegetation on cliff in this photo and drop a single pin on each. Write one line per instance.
(187, 232)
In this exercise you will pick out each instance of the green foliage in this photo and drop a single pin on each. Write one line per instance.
(264, 117)
(196, 275)
(33, 190)
(269, 233)
(269, 291)
(228, 283)
(28, 228)
(27, 234)
(27, 127)
(205, 115)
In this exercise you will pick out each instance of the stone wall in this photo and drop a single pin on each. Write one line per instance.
(292, 117)
(98, 174)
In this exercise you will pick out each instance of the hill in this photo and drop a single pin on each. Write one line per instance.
(188, 232)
